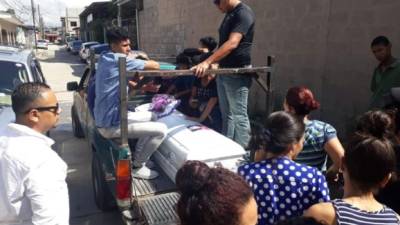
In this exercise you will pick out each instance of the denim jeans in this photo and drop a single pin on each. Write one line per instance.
(233, 92)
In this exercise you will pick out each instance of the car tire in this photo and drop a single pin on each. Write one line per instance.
(102, 194)
(76, 125)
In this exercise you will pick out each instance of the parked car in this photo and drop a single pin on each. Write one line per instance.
(76, 46)
(42, 44)
(17, 66)
(84, 51)
(97, 49)
(149, 201)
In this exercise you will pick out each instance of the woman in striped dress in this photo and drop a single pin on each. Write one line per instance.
(320, 138)
(367, 166)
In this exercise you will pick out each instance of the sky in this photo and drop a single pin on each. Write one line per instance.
(51, 10)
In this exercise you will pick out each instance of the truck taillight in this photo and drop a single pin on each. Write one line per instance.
(124, 181)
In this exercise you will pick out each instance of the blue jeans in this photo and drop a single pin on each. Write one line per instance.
(233, 92)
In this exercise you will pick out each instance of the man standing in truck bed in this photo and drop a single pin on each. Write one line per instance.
(235, 40)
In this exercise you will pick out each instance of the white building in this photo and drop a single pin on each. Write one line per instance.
(8, 28)
(70, 23)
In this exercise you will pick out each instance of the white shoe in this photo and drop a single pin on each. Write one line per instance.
(144, 173)
(149, 164)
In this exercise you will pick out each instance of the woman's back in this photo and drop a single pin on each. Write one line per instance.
(283, 188)
(348, 214)
(317, 134)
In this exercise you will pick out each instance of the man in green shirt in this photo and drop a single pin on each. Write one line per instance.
(386, 74)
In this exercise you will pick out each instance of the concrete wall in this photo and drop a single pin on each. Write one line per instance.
(323, 44)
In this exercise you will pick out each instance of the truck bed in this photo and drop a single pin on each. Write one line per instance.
(157, 199)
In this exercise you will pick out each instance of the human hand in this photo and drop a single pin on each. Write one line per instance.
(200, 69)
(132, 83)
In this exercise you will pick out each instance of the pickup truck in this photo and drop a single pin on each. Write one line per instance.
(146, 201)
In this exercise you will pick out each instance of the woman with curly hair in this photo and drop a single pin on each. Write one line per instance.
(213, 196)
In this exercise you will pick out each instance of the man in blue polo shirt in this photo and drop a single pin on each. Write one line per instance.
(107, 104)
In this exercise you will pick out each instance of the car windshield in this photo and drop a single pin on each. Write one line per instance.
(43, 41)
(77, 43)
(12, 74)
(101, 49)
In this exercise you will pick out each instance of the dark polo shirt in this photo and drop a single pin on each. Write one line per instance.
(241, 20)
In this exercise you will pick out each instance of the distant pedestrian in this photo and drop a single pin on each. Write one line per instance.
(235, 40)
(32, 176)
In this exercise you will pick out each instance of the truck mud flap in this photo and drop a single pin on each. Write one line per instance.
(160, 209)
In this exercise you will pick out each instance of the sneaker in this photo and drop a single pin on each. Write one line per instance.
(149, 164)
(144, 173)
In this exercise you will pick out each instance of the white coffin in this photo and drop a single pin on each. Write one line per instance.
(188, 140)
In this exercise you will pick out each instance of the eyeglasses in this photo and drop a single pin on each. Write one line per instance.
(217, 2)
(54, 109)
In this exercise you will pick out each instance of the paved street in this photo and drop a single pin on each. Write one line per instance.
(60, 67)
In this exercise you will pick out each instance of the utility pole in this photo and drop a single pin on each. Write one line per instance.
(41, 25)
(34, 23)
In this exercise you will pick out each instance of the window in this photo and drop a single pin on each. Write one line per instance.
(13, 74)
(73, 23)
(37, 72)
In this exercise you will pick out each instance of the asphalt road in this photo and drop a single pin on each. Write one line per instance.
(60, 67)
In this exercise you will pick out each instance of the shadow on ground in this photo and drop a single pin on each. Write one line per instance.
(77, 154)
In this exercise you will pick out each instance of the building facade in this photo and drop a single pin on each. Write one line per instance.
(71, 23)
(323, 44)
(9, 25)
(95, 20)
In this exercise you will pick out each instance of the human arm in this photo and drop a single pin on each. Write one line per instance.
(333, 148)
(210, 106)
(322, 212)
(231, 44)
(336, 152)
(151, 65)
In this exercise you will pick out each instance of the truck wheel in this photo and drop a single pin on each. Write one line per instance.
(102, 194)
(76, 125)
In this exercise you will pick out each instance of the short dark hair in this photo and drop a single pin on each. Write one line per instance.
(380, 40)
(362, 152)
(116, 35)
(299, 221)
(281, 130)
(210, 196)
(183, 59)
(25, 94)
(209, 42)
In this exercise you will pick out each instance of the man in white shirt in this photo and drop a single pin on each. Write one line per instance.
(32, 176)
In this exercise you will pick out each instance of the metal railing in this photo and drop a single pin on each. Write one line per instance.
(255, 72)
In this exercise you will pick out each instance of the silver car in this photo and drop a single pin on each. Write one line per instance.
(85, 48)
(42, 44)
(17, 66)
